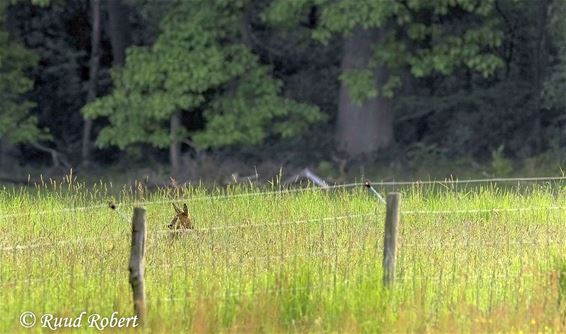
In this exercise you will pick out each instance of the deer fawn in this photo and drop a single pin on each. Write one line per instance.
(182, 220)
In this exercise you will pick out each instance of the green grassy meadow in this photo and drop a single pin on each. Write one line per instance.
(302, 261)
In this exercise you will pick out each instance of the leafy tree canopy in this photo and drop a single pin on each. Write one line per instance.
(427, 37)
(16, 124)
(198, 63)
(555, 83)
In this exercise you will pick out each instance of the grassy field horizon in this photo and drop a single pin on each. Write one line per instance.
(481, 258)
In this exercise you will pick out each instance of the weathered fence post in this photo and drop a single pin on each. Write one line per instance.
(137, 262)
(390, 238)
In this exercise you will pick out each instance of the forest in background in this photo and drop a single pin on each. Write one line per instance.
(191, 87)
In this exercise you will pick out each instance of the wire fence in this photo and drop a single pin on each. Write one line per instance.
(270, 224)
(62, 243)
(169, 232)
(286, 191)
(487, 210)
(355, 283)
(35, 245)
(275, 258)
(470, 181)
(278, 258)
(79, 274)
(177, 200)
(374, 278)
(365, 284)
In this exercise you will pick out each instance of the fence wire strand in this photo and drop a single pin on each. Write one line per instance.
(177, 200)
(522, 209)
(354, 283)
(286, 191)
(173, 232)
(61, 243)
(272, 224)
(278, 258)
(275, 225)
(80, 274)
(469, 181)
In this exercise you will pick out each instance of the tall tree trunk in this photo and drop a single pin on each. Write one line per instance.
(365, 128)
(175, 146)
(93, 76)
(119, 31)
(6, 161)
(540, 65)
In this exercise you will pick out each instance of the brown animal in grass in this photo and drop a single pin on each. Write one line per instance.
(182, 220)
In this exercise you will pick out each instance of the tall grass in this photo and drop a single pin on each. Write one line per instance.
(305, 261)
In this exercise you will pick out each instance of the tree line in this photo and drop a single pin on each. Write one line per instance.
(83, 80)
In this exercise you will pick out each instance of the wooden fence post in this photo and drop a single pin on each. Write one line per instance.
(390, 238)
(137, 262)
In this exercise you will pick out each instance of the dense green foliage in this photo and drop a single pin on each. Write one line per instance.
(16, 123)
(465, 78)
(417, 36)
(555, 84)
(198, 63)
